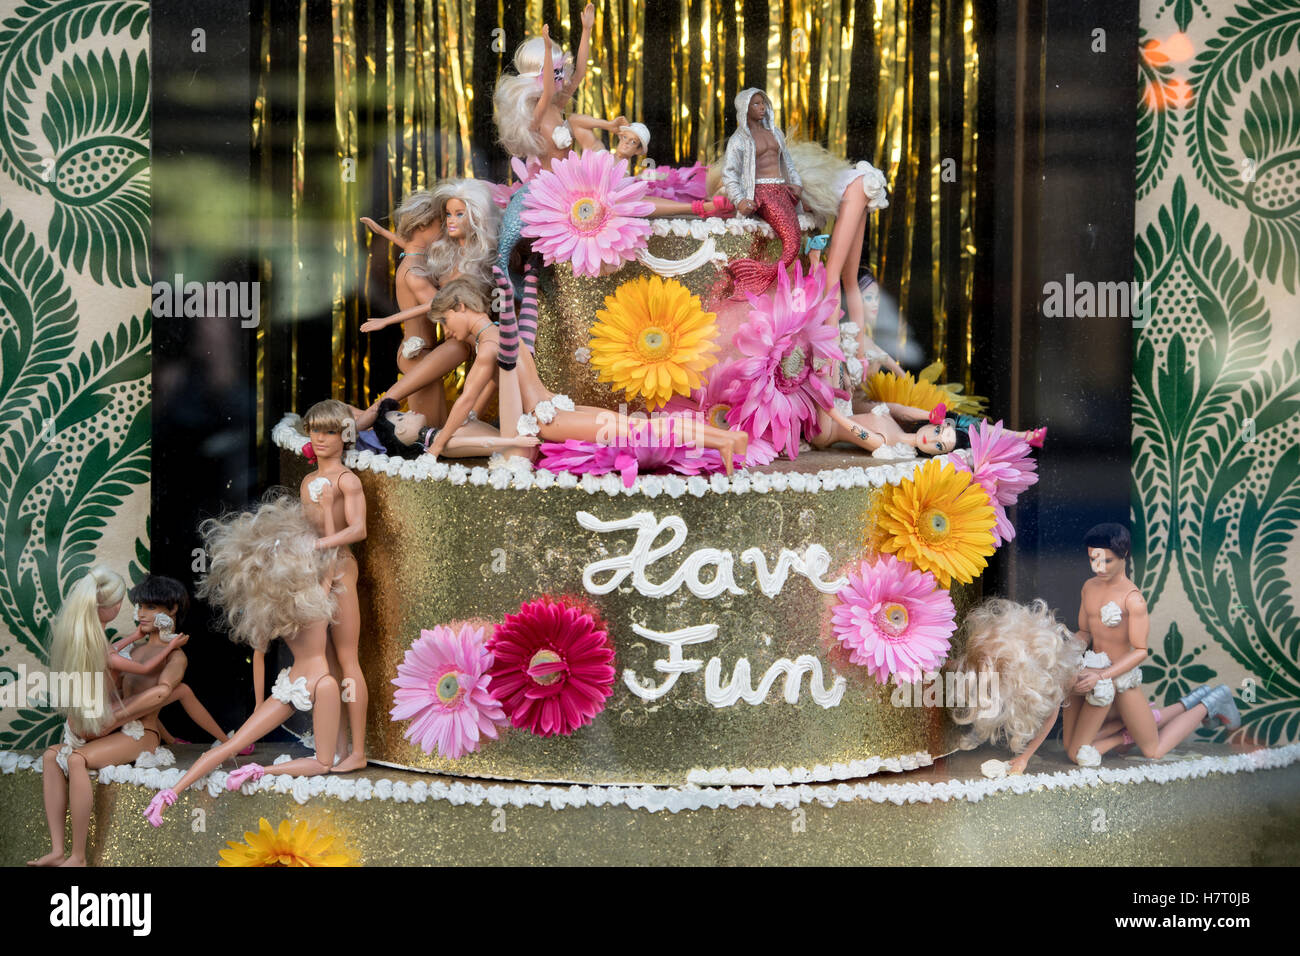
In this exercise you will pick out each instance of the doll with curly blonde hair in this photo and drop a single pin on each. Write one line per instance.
(269, 578)
(1033, 660)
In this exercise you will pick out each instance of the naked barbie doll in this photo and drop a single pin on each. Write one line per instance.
(528, 108)
(333, 503)
(269, 578)
(79, 646)
(419, 223)
(407, 434)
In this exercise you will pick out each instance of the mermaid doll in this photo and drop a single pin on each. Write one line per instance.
(79, 646)
(528, 108)
(760, 178)
(529, 408)
(419, 223)
(270, 578)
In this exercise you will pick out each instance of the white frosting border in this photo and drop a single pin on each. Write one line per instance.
(519, 474)
(676, 800)
(716, 226)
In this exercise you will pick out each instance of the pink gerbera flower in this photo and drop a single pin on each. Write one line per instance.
(587, 210)
(501, 192)
(894, 619)
(1002, 466)
(443, 684)
(787, 345)
(589, 458)
(553, 667)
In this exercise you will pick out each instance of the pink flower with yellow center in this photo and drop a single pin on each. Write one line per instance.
(1002, 467)
(587, 211)
(894, 620)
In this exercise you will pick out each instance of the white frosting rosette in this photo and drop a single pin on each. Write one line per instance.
(315, 487)
(1088, 756)
(1111, 614)
(528, 424)
(874, 185)
(411, 346)
(995, 769)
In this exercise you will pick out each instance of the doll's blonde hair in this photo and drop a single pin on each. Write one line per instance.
(416, 211)
(265, 574)
(476, 257)
(515, 98)
(331, 415)
(1035, 659)
(79, 645)
(818, 169)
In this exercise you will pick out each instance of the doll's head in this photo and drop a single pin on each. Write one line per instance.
(753, 104)
(516, 96)
(470, 219)
(155, 596)
(1032, 661)
(403, 434)
(265, 574)
(938, 439)
(1109, 546)
(459, 307)
(78, 644)
(632, 142)
(331, 427)
(418, 219)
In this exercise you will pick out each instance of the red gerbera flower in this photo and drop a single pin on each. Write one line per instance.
(553, 667)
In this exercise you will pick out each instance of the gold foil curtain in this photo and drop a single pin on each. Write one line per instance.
(403, 72)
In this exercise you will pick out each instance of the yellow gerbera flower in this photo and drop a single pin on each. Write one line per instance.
(940, 521)
(905, 390)
(302, 845)
(653, 339)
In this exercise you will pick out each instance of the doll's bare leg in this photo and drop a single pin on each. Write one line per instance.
(271, 713)
(1085, 728)
(116, 748)
(326, 712)
(430, 402)
(854, 308)
(1114, 725)
(1141, 724)
(423, 374)
(345, 635)
(850, 220)
(197, 712)
(55, 786)
(671, 207)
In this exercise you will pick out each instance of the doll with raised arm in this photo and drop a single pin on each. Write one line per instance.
(418, 221)
(1113, 620)
(881, 431)
(334, 504)
(270, 578)
(528, 108)
(759, 177)
(480, 380)
(78, 645)
(529, 408)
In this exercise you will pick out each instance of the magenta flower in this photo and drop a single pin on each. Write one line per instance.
(589, 458)
(678, 183)
(787, 347)
(553, 668)
(443, 684)
(501, 192)
(1003, 468)
(894, 620)
(586, 210)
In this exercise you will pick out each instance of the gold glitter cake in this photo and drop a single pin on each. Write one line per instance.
(716, 594)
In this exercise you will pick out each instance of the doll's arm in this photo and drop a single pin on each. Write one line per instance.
(415, 311)
(582, 125)
(354, 509)
(150, 700)
(480, 374)
(907, 414)
(1021, 760)
(731, 176)
(584, 48)
(128, 640)
(856, 428)
(421, 288)
(119, 663)
(545, 81)
(259, 677)
(379, 230)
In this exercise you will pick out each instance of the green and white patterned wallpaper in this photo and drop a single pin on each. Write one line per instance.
(1216, 369)
(74, 316)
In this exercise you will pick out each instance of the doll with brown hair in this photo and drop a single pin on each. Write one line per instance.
(480, 380)
(1113, 620)
(269, 577)
(529, 408)
(418, 222)
(79, 646)
(334, 504)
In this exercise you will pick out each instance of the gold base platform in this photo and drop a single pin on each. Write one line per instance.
(1123, 815)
